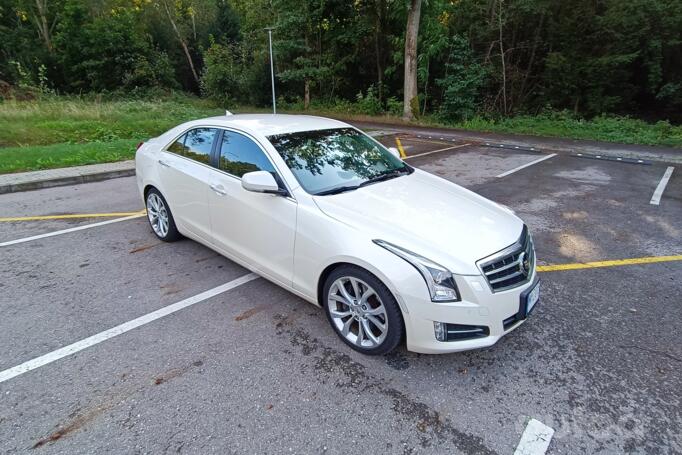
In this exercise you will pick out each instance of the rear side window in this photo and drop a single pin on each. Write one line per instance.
(196, 144)
(178, 146)
(239, 155)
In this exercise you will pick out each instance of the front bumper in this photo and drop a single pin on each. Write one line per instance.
(500, 312)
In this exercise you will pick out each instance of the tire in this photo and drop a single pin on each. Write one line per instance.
(160, 217)
(371, 324)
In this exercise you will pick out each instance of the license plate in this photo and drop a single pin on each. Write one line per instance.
(532, 298)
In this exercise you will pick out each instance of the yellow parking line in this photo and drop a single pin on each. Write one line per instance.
(400, 148)
(612, 263)
(71, 216)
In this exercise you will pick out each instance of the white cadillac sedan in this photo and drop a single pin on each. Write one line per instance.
(318, 207)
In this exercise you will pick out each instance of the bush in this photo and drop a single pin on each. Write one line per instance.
(256, 88)
(220, 79)
(106, 52)
(152, 70)
(370, 103)
(464, 78)
(394, 106)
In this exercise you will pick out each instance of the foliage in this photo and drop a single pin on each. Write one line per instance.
(104, 52)
(462, 82)
(221, 79)
(490, 59)
(369, 103)
(608, 128)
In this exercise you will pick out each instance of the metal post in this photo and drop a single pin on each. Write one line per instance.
(272, 73)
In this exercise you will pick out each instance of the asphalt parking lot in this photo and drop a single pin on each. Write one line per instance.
(255, 369)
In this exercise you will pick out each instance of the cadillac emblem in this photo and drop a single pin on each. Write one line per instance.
(524, 264)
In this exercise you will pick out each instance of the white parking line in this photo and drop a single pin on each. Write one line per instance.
(123, 328)
(656, 198)
(66, 231)
(436, 151)
(504, 174)
(535, 439)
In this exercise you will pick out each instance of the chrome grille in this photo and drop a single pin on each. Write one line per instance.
(510, 267)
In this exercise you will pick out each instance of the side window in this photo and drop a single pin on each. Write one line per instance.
(178, 146)
(196, 144)
(239, 155)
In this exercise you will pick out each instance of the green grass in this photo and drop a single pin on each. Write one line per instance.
(76, 120)
(70, 131)
(607, 128)
(32, 158)
(623, 130)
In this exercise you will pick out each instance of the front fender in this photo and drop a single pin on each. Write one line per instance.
(322, 242)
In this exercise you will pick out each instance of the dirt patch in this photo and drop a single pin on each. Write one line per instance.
(248, 313)
(397, 361)
(590, 175)
(143, 248)
(171, 288)
(77, 422)
(176, 372)
(431, 426)
(578, 247)
(206, 258)
(580, 215)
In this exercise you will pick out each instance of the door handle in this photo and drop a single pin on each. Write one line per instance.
(218, 189)
(163, 163)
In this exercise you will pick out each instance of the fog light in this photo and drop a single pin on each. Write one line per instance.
(440, 329)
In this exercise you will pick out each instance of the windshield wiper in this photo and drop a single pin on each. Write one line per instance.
(378, 178)
(388, 175)
(337, 190)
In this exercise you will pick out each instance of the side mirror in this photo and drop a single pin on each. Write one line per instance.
(394, 151)
(260, 182)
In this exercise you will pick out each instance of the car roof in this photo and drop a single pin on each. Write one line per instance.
(274, 124)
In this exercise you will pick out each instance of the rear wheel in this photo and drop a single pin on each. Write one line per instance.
(160, 217)
(362, 311)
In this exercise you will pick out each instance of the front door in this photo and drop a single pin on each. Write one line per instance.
(258, 228)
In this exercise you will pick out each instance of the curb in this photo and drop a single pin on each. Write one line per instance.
(589, 149)
(62, 181)
(540, 143)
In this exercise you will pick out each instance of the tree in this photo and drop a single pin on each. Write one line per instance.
(464, 78)
(171, 13)
(44, 25)
(104, 49)
(410, 93)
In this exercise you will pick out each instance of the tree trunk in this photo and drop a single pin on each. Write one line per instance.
(426, 86)
(379, 7)
(182, 43)
(531, 61)
(40, 19)
(306, 95)
(410, 97)
(504, 66)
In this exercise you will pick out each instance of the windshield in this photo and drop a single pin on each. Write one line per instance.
(336, 160)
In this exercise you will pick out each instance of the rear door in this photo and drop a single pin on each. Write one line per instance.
(258, 228)
(184, 169)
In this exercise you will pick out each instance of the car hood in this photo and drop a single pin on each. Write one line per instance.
(428, 216)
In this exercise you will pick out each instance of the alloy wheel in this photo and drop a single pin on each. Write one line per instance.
(357, 312)
(157, 214)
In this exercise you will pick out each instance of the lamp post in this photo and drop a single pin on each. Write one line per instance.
(272, 71)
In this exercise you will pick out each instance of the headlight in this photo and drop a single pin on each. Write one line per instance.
(439, 280)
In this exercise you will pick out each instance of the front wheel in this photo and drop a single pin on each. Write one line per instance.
(362, 311)
(160, 217)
